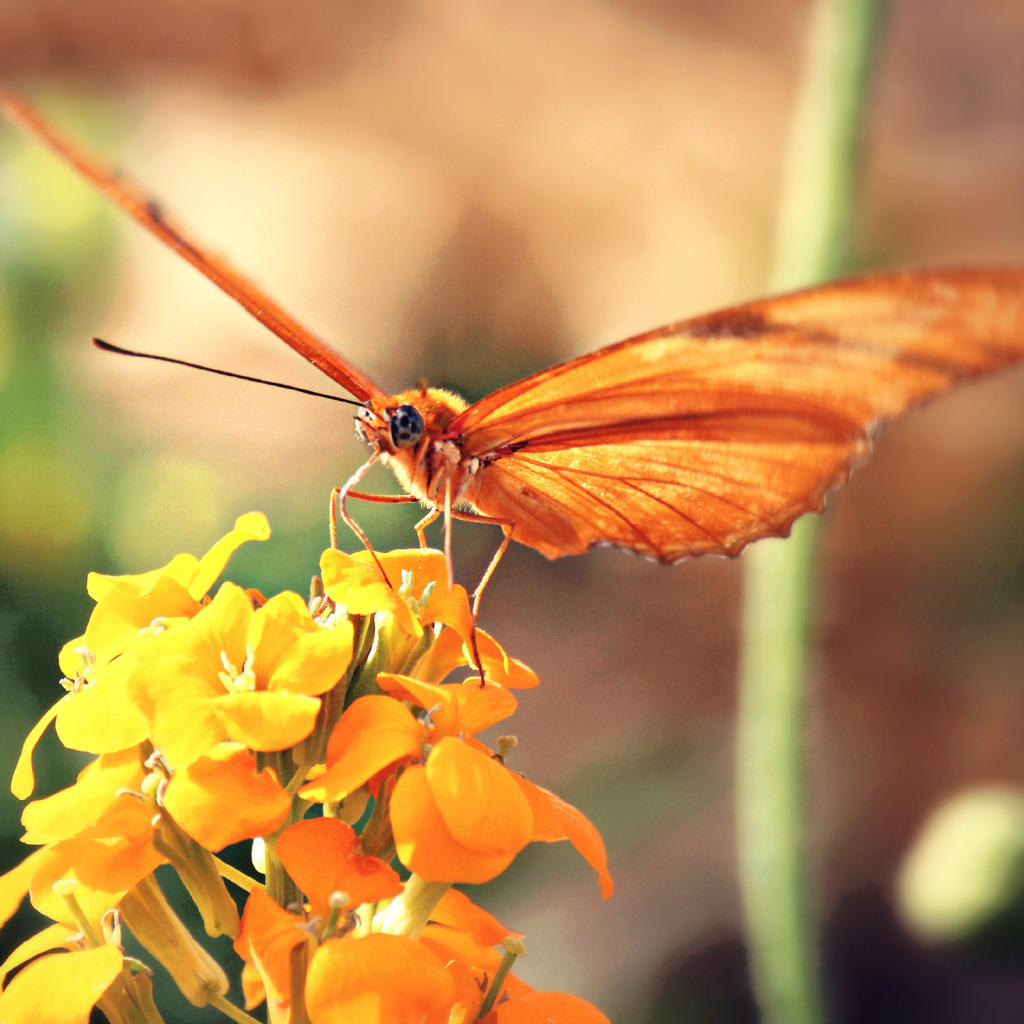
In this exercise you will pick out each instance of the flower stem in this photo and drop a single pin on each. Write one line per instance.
(232, 1012)
(240, 878)
(512, 949)
(811, 245)
(65, 888)
(408, 914)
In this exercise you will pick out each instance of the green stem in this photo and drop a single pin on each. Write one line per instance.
(811, 245)
(775, 875)
(232, 1012)
(821, 162)
(512, 949)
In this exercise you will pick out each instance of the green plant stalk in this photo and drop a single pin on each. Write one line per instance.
(811, 245)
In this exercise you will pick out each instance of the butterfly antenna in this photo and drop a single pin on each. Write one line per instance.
(106, 346)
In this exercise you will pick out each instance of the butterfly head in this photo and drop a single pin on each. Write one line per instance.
(401, 422)
(390, 429)
(410, 432)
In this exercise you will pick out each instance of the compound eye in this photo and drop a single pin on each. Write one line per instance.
(406, 426)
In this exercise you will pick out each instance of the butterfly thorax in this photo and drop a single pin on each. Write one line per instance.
(409, 432)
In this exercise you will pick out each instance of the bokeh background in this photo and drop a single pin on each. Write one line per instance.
(466, 192)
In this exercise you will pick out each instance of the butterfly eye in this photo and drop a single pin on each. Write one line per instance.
(406, 426)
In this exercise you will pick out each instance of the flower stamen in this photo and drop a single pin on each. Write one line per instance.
(243, 681)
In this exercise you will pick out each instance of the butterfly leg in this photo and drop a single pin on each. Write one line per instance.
(339, 497)
(424, 523)
(387, 499)
(448, 539)
(507, 527)
(383, 499)
(400, 499)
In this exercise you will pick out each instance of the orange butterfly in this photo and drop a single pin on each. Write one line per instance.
(697, 437)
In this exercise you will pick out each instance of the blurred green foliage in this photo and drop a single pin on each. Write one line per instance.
(58, 475)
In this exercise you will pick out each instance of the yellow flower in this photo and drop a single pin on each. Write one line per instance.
(221, 720)
(232, 673)
(95, 716)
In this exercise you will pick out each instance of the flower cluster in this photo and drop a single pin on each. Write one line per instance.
(326, 735)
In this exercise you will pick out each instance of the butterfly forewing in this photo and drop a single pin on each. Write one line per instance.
(144, 210)
(704, 435)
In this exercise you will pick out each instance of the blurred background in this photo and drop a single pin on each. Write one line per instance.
(466, 193)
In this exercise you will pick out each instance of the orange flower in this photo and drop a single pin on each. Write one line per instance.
(419, 596)
(472, 965)
(199, 709)
(464, 936)
(100, 831)
(232, 673)
(106, 869)
(554, 820)
(72, 964)
(267, 942)
(378, 979)
(373, 733)
(450, 651)
(545, 1008)
(99, 804)
(457, 709)
(322, 857)
(416, 592)
(460, 817)
(220, 798)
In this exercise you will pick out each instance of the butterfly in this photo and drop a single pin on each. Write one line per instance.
(697, 437)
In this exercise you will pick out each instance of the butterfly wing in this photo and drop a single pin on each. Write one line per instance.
(707, 434)
(144, 210)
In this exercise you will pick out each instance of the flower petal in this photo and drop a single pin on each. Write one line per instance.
(105, 868)
(322, 856)
(458, 911)
(378, 979)
(478, 798)
(251, 526)
(501, 667)
(427, 566)
(54, 937)
(124, 610)
(554, 820)
(425, 842)
(451, 650)
(14, 885)
(24, 779)
(99, 804)
(266, 721)
(100, 718)
(350, 582)
(292, 652)
(462, 709)
(177, 699)
(373, 732)
(268, 936)
(182, 670)
(61, 988)
(221, 799)
(545, 1008)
